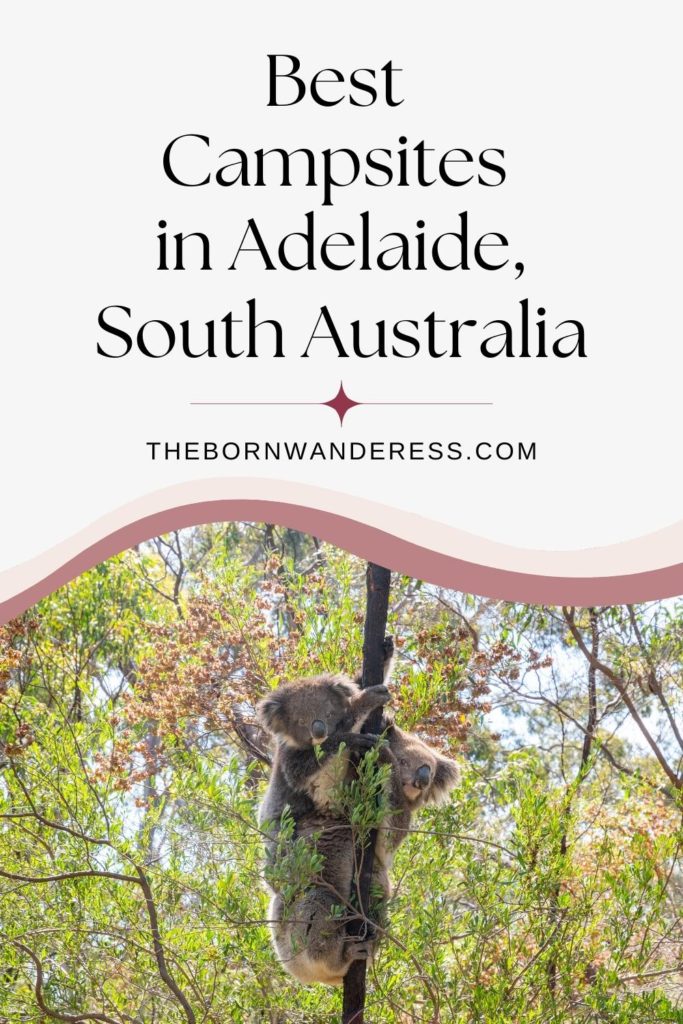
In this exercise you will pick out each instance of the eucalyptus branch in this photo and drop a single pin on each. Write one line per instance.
(159, 954)
(621, 687)
(654, 684)
(69, 1018)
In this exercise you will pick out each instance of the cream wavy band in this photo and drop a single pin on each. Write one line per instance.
(635, 570)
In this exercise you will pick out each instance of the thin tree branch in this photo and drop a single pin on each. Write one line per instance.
(142, 881)
(654, 684)
(65, 876)
(159, 955)
(70, 1018)
(622, 688)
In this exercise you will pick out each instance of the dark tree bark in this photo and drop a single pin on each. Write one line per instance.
(378, 583)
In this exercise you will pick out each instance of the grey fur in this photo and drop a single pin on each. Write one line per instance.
(310, 927)
(305, 771)
(311, 941)
(420, 776)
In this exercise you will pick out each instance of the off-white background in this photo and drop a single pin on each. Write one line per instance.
(585, 101)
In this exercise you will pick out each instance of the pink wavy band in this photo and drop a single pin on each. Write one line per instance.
(370, 543)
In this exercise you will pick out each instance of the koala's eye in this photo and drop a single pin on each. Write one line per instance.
(403, 762)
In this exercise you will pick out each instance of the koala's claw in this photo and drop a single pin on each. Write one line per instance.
(388, 647)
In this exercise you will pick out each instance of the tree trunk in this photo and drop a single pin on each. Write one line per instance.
(378, 583)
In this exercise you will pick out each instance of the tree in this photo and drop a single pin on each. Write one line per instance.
(548, 890)
(377, 608)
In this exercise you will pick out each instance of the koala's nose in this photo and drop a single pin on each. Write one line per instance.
(422, 776)
(318, 730)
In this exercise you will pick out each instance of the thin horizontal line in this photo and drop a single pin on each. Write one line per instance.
(353, 406)
(256, 403)
(425, 403)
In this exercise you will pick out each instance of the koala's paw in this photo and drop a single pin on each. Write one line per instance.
(378, 695)
(388, 648)
(362, 741)
(362, 949)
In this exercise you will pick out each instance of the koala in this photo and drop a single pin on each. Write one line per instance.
(310, 929)
(310, 719)
(419, 776)
(310, 932)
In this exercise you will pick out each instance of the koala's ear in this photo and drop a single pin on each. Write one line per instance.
(446, 776)
(270, 713)
(343, 688)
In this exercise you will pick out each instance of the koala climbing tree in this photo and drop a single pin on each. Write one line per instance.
(378, 582)
(321, 728)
